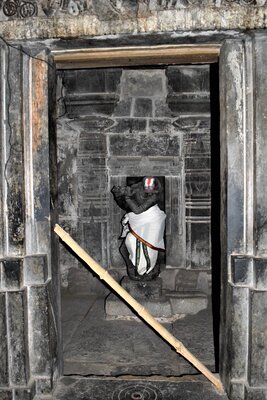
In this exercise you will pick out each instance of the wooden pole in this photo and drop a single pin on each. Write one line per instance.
(141, 311)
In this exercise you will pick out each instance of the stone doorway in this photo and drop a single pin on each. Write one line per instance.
(30, 294)
(117, 123)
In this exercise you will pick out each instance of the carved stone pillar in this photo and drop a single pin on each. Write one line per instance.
(28, 280)
(244, 237)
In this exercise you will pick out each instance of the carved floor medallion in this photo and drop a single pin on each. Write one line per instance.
(137, 392)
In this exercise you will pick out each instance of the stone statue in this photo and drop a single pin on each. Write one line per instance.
(143, 227)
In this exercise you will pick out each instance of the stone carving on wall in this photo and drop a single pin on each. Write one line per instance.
(105, 9)
(19, 8)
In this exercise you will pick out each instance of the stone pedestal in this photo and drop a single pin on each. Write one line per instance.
(165, 307)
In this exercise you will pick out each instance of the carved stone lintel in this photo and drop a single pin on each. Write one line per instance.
(109, 8)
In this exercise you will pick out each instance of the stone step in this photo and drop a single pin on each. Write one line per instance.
(168, 308)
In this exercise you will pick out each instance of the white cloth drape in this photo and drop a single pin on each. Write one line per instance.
(149, 226)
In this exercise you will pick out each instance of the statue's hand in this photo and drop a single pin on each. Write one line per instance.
(128, 191)
(116, 190)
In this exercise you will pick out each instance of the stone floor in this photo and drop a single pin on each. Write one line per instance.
(126, 360)
(94, 346)
(187, 388)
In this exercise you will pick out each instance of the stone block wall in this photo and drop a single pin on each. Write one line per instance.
(119, 123)
(28, 347)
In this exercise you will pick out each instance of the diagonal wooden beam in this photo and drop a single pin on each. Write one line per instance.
(140, 310)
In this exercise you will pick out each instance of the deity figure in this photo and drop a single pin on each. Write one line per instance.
(143, 227)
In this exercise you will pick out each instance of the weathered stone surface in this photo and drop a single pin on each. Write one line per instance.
(168, 277)
(256, 394)
(175, 222)
(17, 338)
(11, 273)
(143, 83)
(193, 125)
(233, 137)
(121, 166)
(14, 163)
(238, 332)
(116, 308)
(187, 302)
(143, 107)
(96, 81)
(86, 354)
(189, 78)
(198, 243)
(147, 145)
(188, 104)
(161, 109)
(242, 271)
(128, 125)
(258, 339)
(204, 282)
(261, 146)
(44, 385)
(237, 391)
(150, 290)
(123, 108)
(92, 144)
(186, 280)
(38, 121)
(119, 9)
(197, 162)
(39, 346)
(260, 268)
(6, 395)
(82, 281)
(35, 270)
(185, 388)
(160, 126)
(195, 18)
(25, 394)
(90, 104)
(3, 343)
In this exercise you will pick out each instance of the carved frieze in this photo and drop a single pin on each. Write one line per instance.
(106, 9)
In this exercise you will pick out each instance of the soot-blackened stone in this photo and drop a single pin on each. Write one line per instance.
(258, 339)
(3, 343)
(143, 108)
(39, 343)
(25, 394)
(17, 338)
(242, 270)
(260, 266)
(11, 274)
(129, 125)
(5, 395)
(144, 290)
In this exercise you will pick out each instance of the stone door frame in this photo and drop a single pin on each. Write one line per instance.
(241, 283)
(32, 245)
(153, 55)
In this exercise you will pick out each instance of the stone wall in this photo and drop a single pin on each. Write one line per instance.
(77, 18)
(119, 123)
(30, 302)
